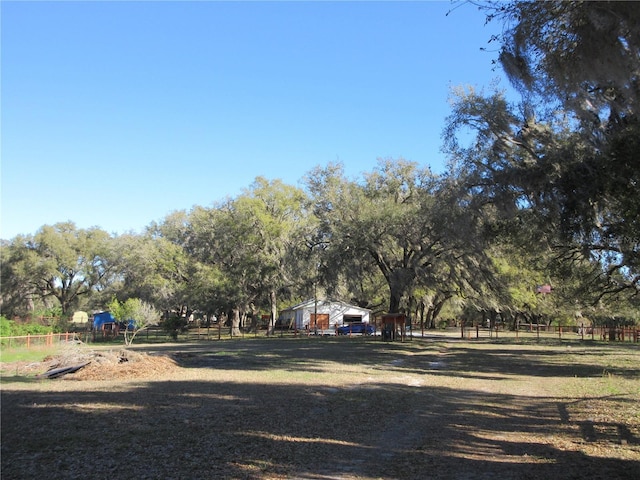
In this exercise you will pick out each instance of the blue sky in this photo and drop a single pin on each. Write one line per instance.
(115, 114)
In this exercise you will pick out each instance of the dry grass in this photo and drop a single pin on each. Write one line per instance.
(317, 408)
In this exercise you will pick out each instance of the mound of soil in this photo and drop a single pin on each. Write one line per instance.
(98, 365)
(124, 364)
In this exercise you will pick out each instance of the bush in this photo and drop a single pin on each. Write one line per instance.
(9, 328)
(174, 325)
(135, 314)
(5, 327)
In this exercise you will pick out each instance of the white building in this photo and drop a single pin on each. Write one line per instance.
(322, 315)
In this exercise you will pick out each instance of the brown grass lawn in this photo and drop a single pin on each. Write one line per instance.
(331, 408)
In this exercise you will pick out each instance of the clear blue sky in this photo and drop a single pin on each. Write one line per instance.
(115, 114)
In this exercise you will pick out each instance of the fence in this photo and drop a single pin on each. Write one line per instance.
(528, 330)
(618, 334)
(45, 340)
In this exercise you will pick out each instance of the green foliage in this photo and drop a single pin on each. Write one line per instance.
(59, 262)
(53, 317)
(123, 311)
(613, 321)
(584, 55)
(405, 223)
(5, 326)
(9, 328)
(143, 315)
(473, 242)
(569, 151)
(51, 312)
(174, 325)
(156, 266)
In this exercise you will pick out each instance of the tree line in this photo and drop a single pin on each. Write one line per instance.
(544, 191)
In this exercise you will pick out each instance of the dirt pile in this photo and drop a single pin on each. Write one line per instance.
(123, 364)
(78, 363)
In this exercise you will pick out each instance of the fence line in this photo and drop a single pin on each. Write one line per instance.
(46, 340)
(613, 334)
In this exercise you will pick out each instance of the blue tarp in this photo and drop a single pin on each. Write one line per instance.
(99, 319)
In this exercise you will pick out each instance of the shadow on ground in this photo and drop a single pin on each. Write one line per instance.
(255, 430)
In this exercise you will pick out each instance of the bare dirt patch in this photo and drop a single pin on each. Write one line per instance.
(329, 409)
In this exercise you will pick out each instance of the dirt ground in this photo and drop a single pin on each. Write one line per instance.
(316, 408)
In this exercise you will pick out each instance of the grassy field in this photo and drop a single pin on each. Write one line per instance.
(332, 408)
(34, 354)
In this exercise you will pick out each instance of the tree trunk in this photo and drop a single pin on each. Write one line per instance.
(410, 303)
(235, 322)
(493, 316)
(431, 321)
(394, 300)
(65, 300)
(274, 311)
(399, 281)
(435, 312)
(254, 317)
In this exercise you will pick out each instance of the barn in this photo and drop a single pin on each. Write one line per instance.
(104, 321)
(105, 325)
(322, 315)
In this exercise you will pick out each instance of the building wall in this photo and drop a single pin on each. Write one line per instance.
(336, 312)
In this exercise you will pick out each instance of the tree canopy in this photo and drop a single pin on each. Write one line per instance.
(568, 151)
(60, 261)
(540, 189)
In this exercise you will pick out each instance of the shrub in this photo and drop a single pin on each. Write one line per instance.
(173, 325)
(9, 328)
(135, 314)
(5, 327)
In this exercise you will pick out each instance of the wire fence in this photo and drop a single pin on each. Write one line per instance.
(630, 334)
(580, 332)
(45, 340)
